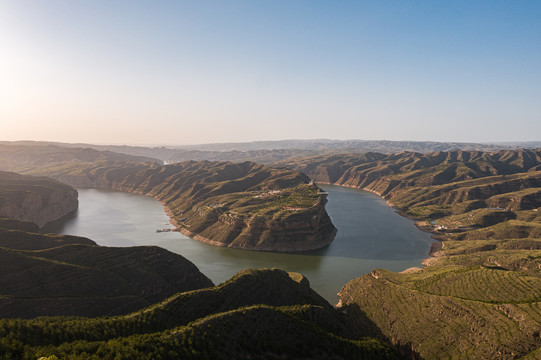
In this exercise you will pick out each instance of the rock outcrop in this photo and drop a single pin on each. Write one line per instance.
(39, 200)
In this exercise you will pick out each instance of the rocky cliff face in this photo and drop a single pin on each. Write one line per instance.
(39, 200)
(304, 230)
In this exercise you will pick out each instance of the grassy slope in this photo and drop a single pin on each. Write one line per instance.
(447, 318)
(480, 301)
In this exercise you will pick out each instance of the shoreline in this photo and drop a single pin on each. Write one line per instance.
(437, 244)
(182, 229)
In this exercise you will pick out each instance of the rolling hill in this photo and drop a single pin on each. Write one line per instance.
(48, 274)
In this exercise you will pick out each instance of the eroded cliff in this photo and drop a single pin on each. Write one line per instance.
(39, 200)
(246, 205)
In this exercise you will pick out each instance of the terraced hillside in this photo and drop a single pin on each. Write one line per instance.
(462, 306)
(384, 173)
(480, 297)
(264, 314)
(240, 205)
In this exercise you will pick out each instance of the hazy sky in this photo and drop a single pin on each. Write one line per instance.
(184, 72)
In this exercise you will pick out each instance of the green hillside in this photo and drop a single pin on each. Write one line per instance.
(48, 274)
(266, 314)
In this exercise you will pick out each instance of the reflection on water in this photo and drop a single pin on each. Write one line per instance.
(370, 229)
(370, 235)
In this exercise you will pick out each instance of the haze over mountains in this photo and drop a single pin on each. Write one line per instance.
(275, 151)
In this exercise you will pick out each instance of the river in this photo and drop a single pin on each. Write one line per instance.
(370, 235)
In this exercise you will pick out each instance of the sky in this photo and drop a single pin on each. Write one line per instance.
(189, 72)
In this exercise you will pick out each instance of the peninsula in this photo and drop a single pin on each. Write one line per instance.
(238, 205)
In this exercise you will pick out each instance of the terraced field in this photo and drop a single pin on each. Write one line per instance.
(428, 318)
(478, 299)
(483, 284)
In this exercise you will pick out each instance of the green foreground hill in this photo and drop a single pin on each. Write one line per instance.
(267, 314)
(67, 275)
(264, 314)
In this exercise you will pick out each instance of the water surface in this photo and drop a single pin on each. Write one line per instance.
(370, 235)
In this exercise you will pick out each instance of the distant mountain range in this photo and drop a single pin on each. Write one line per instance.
(385, 146)
(274, 151)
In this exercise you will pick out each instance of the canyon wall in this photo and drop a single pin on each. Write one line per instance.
(36, 199)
